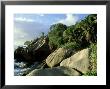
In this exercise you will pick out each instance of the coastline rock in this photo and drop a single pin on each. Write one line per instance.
(35, 51)
(79, 61)
(55, 71)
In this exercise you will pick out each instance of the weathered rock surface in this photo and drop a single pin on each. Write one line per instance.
(79, 61)
(36, 51)
(55, 71)
(56, 57)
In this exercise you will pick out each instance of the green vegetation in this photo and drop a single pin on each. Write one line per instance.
(56, 35)
(81, 34)
(91, 73)
(93, 59)
(68, 34)
(72, 45)
(76, 37)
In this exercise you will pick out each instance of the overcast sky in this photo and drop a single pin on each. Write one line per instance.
(30, 26)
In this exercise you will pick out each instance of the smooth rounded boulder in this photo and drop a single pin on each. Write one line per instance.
(78, 61)
(56, 57)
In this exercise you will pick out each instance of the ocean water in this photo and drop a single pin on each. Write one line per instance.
(21, 68)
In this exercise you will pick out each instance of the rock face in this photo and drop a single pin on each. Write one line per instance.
(21, 54)
(36, 51)
(41, 53)
(79, 61)
(55, 71)
(56, 57)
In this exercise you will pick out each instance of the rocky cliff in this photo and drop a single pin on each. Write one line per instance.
(35, 51)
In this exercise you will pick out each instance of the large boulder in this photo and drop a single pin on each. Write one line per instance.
(78, 61)
(55, 71)
(56, 57)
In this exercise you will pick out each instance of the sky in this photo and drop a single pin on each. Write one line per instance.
(30, 26)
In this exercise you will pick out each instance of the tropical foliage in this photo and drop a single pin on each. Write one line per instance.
(76, 37)
(82, 33)
(56, 35)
